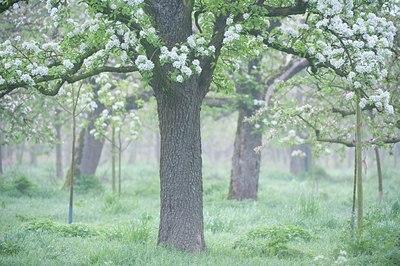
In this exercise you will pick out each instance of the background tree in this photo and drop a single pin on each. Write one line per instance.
(115, 114)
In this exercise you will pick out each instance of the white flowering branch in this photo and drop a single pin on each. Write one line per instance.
(348, 143)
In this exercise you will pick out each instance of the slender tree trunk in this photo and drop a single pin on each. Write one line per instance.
(119, 161)
(378, 166)
(113, 179)
(87, 154)
(73, 150)
(77, 158)
(1, 154)
(353, 208)
(59, 164)
(245, 161)
(359, 166)
(89, 148)
(181, 188)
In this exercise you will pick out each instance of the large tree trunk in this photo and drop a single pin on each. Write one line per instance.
(245, 161)
(181, 188)
(178, 106)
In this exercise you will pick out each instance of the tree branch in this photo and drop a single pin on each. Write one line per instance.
(291, 70)
(299, 8)
(209, 64)
(348, 143)
(217, 102)
(109, 69)
(70, 78)
(304, 54)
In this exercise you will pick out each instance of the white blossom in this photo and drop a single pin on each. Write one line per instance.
(186, 70)
(27, 78)
(179, 79)
(40, 70)
(363, 102)
(143, 63)
(349, 96)
(68, 64)
(298, 153)
(232, 33)
(124, 56)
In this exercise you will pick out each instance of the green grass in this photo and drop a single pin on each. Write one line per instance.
(290, 224)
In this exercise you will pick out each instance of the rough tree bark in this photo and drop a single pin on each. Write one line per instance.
(181, 215)
(178, 107)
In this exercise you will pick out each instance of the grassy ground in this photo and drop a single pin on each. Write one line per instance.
(290, 224)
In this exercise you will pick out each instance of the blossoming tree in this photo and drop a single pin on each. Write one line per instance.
(176, 45)
(115, 114)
